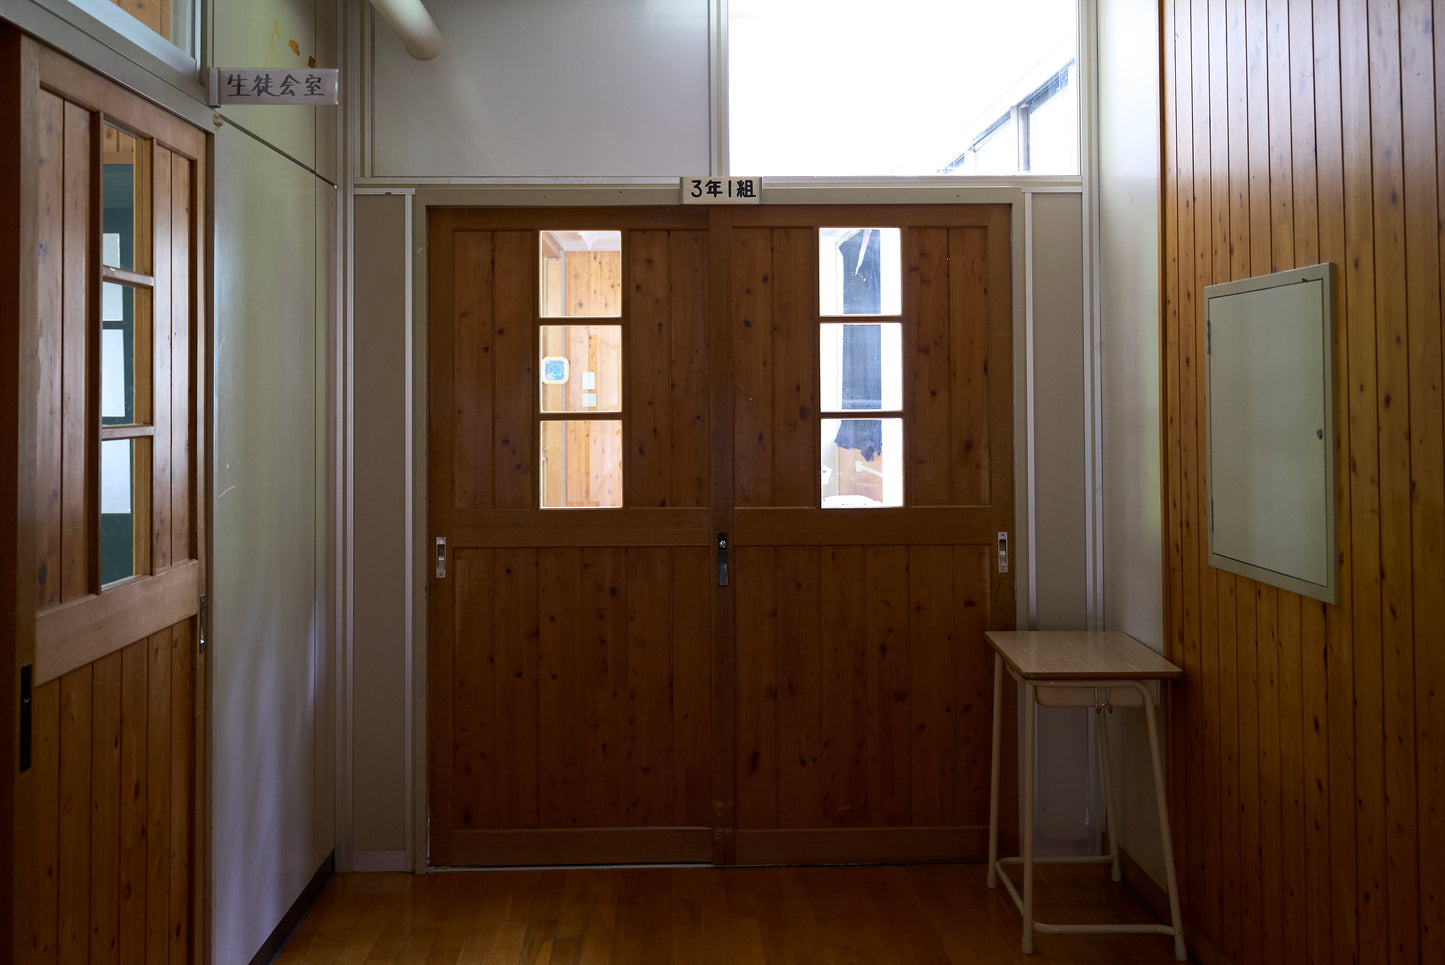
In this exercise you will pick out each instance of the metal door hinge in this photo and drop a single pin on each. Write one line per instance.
(1211, 514)
(1003, 552)
(201, 621)
(441, 557)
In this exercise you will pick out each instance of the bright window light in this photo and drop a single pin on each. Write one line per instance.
(903, 87)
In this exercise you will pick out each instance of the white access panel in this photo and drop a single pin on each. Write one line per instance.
(1270, 398)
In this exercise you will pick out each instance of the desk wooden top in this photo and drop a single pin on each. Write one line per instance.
(1079, 655)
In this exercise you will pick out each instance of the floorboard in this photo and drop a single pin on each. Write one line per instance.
(874, 915)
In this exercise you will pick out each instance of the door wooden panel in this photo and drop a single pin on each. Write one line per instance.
(863, 706)
(108, 814)
(570, 716)
(594, 696)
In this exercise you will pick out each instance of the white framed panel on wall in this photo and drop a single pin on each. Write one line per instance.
(568, 88)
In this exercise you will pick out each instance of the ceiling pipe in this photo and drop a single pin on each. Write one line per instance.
(417, 30)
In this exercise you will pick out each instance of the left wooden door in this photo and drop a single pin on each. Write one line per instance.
(106, 349)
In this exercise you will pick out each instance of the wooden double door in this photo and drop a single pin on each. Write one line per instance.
(744, 624)
(102, 441)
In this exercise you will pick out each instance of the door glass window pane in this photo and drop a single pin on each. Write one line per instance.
(581, 368)
(125, 355)
(125, 480)
(581, 463)
(171, 20)
(862, 463)
(581, 274)
(125, 200)
(862, 366)
(860, 271)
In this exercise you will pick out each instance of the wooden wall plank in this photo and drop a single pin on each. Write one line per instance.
(1423, 68)
(514, 355)
(794, 364)
(162, 325)
(74, 805)
(1252, 885)
(1267, 710)
(50, 285)
(648, 395)
(105, 803)
(751, 327)
(78, 486)
(927, 386)
(687, 314)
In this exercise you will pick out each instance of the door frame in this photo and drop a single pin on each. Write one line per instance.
(633, 194)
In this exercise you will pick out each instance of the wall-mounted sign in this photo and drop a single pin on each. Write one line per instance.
(310, 86)
(722, 190)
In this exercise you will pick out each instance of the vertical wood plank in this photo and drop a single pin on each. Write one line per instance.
(649, 687)
(845, 730)
(691, 710)
(50, 298)
(687, 314)
(890, 759)
(927, 388)
(758, 766)
(1397, 889)
(972, 691)
(932, 649)
(969, 372)
(162, 326)
(1252, 885)
(1369, 899)
(44, 924)
(794, 363)
(133, 792)
(76, 404)
(1268, 710)
(470, 800)
(469, 281)
(73, 866)
(105, 791)
(181, 789)
(514, 351)
(604, 641)
(158, 799)
(751, 327)
(1284, 942)
(1423, 71)
(798, 651)
(559, 686)
(1281, 140)
(648, 397)
(514, 591)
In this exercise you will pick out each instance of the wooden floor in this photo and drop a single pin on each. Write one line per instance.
(873, 915)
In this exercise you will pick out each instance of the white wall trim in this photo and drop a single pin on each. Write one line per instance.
(371, 861)
(1093, 320)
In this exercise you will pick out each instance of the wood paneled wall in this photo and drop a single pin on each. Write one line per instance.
(1308, 740)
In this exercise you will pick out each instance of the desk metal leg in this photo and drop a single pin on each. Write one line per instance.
(993, 772)
(1111, 816)
(1030, 711)
(1179, 951)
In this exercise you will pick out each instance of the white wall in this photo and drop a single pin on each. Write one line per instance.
(1129, 308)
(585, 88)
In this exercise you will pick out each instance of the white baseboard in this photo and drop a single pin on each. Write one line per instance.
(364, 861)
